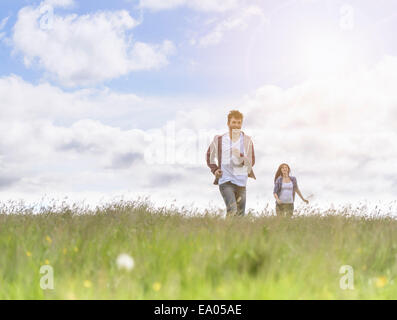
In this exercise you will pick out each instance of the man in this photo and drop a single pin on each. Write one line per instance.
(234, 151)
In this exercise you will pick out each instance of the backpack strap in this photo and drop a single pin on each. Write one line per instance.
(219, 151)
(242, 145)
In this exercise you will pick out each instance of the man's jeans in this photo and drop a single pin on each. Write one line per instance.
(234, 197)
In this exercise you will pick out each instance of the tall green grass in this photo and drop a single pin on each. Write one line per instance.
(182, 255)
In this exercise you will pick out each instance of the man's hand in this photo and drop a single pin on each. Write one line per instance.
(218, 173)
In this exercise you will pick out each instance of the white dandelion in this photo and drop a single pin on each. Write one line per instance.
(125, 261)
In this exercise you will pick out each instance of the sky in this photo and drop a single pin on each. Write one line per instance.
(105, 100)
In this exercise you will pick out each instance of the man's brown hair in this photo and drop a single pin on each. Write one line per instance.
(234, 114)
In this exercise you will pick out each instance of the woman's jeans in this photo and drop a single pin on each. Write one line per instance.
(234, 197)
(284, 209)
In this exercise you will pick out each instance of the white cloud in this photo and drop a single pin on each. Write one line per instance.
(3, 22)
(201, 5)
(85, 49)
(230, 15)
(337, 134)
(2, 25)
(57, 142)
(239, 20)
(59, 3)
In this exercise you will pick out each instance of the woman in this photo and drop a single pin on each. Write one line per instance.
(285, 187)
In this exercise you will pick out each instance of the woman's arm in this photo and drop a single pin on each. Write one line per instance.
(276, 189)
(277, 199)
(300, 195)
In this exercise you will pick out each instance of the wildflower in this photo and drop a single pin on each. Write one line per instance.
(125, 261)
(71, 296)
(220, 290)
(381, 282)
(47, 261)
(28, 253)
(87, 284)
(49, 240)
(65, 250)
(156, 286)
(76, 249)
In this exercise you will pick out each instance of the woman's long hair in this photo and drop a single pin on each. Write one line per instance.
(278, 173)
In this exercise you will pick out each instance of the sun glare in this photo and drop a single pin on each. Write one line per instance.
(326, 55)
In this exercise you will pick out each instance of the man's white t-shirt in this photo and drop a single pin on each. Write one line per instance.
(231, 167)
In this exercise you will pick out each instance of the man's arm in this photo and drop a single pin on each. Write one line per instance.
(253, 153)
(211, 153)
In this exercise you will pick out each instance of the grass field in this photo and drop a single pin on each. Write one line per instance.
(177, 256)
